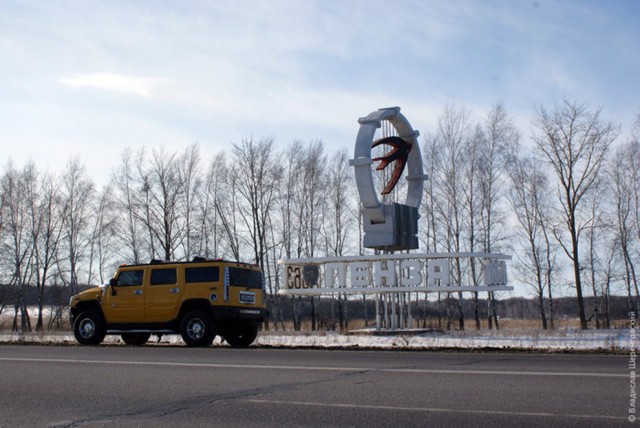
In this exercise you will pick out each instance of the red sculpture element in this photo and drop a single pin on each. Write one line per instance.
(399, 154)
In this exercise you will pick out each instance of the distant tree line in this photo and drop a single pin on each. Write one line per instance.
(566, 206)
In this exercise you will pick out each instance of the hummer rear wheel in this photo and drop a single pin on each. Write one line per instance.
(241, 336)
(197, 328)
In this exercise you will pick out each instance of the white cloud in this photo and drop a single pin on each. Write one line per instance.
(219, 71)
(141, 86)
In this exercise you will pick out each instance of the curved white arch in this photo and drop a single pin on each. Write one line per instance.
(362, 161)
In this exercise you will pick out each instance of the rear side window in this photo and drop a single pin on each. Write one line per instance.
(245, 278)
(163, 276)
(202, 274)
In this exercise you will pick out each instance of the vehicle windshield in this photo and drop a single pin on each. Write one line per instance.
(245, 278)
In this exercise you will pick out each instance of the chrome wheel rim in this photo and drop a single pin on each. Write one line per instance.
(87, 328)
(195, 328)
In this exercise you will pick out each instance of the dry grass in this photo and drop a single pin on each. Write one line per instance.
(505, 324)
(7, 316)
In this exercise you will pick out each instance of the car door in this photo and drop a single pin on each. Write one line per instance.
(163, 294)
(125, 299)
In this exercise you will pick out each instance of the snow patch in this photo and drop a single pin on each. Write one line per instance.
(554, 341)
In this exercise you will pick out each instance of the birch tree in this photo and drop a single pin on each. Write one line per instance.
(17, 245)
(624, 182)
(499, 135)
(209, 228)
(188, 169)
(575, 142)
(127, 201)
(257, 172)
(450, 148)
(528, 196)
(78, 196)
(47, 214)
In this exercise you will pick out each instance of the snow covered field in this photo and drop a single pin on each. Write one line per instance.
(620, 341)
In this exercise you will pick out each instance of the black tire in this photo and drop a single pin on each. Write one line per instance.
(89, 328)
(136, 339)
(197, 328)
(241, 336)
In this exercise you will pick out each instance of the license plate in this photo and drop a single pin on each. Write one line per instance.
(247, 298)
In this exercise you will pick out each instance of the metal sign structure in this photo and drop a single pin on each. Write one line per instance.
(390, 226)
(396, 273)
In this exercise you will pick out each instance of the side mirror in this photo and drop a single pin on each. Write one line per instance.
(112, 284)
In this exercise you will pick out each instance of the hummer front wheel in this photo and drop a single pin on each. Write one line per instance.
(89, 328)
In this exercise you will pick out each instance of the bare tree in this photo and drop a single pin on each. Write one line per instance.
(595, 245)
(636, 173)
(17, 194)
(431, 228)
(624, 182)
(209, 228)
(78, 194)
(499, 135)
(311, 206)
(257, 171)
(162, 189)
(287, 200)
(528, 195)
(337, 222)
(190, 181)
(227, 206)
(575, 142)
(472, 204)
(47, 214)
(102, 247)
(312, 196)
(288, 230)
(127, 200)
(450, 143)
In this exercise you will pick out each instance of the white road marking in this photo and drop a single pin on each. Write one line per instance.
(317, 368)
(434, 409)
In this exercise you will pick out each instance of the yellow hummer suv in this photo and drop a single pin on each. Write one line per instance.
(199, 300)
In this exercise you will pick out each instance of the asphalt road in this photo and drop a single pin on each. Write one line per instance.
(160, 386)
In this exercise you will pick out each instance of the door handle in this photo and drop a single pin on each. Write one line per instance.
(174, 291)
(137, 292)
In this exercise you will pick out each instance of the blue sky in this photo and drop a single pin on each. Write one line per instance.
(91, 78)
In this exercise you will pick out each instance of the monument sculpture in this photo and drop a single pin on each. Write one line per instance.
(392, 275)
(392, 226)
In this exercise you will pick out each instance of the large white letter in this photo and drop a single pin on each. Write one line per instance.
(388, 274)
(333, 271)
(495, 272)
(360, 274)
(438, 272)
(410, 271)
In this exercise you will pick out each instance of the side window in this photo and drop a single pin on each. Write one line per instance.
(130, 277)
(163, 276)
(202, 274)
(245, 277)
